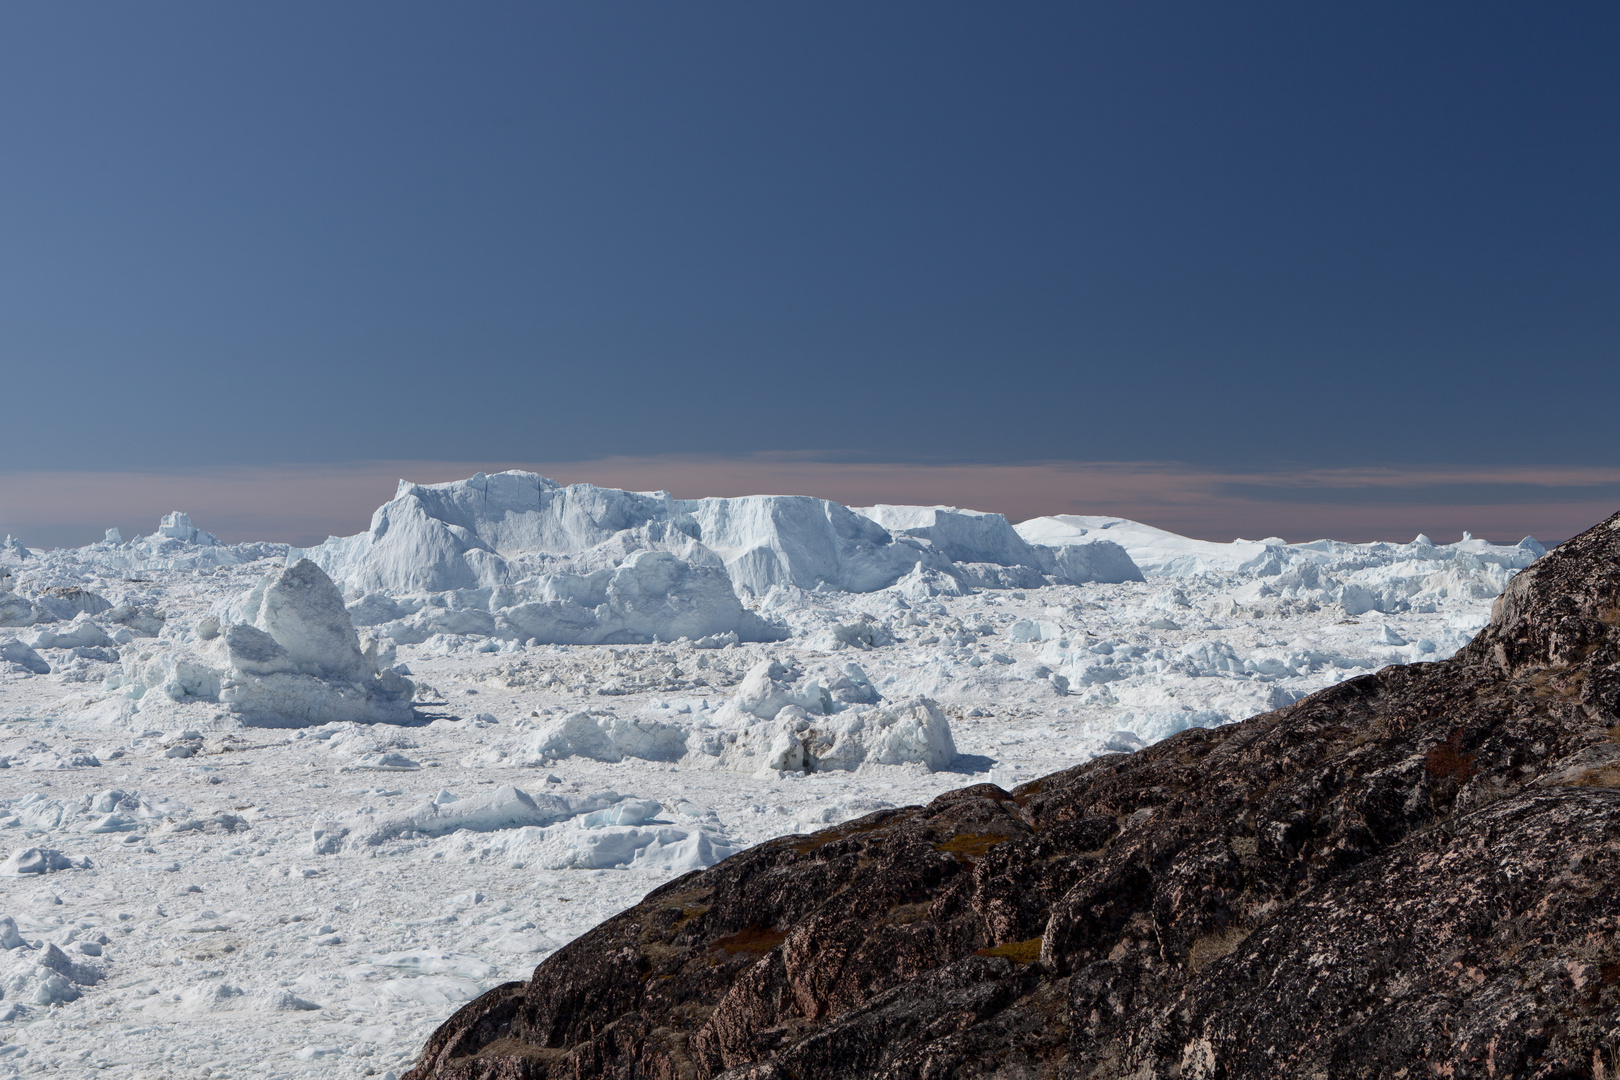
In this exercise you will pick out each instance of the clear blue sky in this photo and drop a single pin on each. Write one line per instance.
(1227, 234)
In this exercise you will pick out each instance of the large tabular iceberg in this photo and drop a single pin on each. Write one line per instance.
(520, 557)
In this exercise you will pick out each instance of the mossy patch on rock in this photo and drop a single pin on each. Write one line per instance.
(1019, 952)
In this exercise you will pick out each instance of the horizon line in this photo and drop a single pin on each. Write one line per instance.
(302, 504)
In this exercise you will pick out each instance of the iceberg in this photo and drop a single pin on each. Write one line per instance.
(518, 556)
(283, 655)
(1378, 576)
(984, 548)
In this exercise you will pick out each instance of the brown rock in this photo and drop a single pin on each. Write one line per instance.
(1413, 873)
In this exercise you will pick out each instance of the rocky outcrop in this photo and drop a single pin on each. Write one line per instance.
(1411, 873)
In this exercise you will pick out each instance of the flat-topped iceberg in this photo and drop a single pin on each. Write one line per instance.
(517, 556)
(497, 530)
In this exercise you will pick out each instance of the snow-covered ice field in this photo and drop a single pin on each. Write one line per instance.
(278, 812)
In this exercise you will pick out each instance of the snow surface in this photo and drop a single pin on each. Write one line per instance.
(269, 815)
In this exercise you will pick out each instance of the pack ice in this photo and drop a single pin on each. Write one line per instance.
(278, 813)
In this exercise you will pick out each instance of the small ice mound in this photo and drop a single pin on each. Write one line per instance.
(1280, 696)
(17, 657)
(51, 761)
(1008, 777)
(49, 977)
(695, 812)
(628, 812)
(82, 633)
(327, 838)
(220, 822)
(672, 849)
(768, 688)
(923, 582)
(208, 996)
(113, 823)
(1153, 725)
(1025, 631)
(839, 811)
(374, 608)
(1123, 742)
(388, 761)
(280, 1001)
(204, 922)
(504, 808)
(9, 937)
(604, 738)
(696, 850)
(41, 987)
(716, 641)
(578, 734)
(27, 862)
(864, 633)
(438, 962)
(906, 732)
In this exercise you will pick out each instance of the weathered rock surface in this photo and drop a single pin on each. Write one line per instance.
(1412, 873)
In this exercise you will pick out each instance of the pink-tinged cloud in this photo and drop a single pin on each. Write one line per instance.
(303, 504)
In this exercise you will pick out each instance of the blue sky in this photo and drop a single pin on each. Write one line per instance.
(1252, 237)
